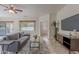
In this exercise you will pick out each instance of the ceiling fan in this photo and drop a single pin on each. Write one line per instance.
(11, 8)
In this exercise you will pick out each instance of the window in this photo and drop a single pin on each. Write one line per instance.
(5, 28)
(2, 29)
(27, 26)
(9, 28)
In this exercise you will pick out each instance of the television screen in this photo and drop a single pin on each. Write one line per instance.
(70, 23)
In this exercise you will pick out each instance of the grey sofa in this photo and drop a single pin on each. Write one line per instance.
(20, 40)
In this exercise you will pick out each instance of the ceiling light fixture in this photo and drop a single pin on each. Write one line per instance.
(11, 11)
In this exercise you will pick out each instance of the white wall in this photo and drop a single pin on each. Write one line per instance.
(51, 26)
(38, 27)
(67, 11)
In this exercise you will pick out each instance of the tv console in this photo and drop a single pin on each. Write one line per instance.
(70, 43)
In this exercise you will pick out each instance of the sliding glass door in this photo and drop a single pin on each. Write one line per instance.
(9, 28)
(2, 29)
(5, 28)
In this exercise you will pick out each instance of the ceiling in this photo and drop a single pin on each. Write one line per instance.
(31, 10)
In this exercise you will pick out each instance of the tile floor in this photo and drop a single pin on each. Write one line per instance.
(57, 48)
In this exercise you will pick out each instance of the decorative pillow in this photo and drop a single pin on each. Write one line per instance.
(25, 34)
(13, 36)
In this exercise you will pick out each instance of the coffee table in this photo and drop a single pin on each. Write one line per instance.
(6, 42)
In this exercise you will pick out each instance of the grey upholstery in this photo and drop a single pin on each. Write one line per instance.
(19, 42)
(13, 36)
(13, 47)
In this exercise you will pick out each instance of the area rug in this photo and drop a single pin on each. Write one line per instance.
(43, 49)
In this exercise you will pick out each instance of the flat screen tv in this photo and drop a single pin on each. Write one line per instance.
(70, 23)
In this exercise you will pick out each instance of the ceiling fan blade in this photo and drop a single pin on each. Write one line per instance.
(15, 11)
(19, 10)
(3, 5)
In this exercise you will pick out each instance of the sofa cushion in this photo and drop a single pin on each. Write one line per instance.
(25, 34)
(21, 40)
(13, 36)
